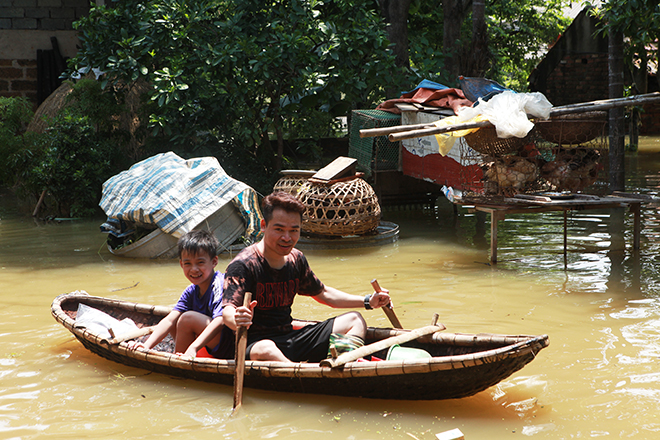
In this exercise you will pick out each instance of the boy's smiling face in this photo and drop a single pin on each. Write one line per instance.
(198, 268)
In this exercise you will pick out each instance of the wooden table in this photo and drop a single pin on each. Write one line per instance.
(523, 204)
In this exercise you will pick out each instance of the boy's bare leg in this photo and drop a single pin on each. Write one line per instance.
(189, 327)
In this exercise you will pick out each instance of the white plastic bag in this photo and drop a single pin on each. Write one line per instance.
(99, 322)
(508, 111)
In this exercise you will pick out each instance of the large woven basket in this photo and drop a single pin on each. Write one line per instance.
(342, 208)
(292, 180)
(485, 141)
(572, 129)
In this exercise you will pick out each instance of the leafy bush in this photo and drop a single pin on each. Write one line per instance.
(15, 114)
(79, 150)
(72, 161)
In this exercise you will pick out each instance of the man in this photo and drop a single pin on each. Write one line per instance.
(274, 271)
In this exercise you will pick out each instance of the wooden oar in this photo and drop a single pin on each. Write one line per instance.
(239, 371)
(388, 309)
(383, 344)
(134, 334)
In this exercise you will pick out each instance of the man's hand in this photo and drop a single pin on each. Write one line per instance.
(380, 299)
(243, 315)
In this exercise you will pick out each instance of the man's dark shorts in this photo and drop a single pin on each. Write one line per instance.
(309, 343)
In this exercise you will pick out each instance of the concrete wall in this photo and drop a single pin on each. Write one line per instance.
(27, 26)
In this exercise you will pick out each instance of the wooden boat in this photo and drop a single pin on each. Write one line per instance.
(461, 364)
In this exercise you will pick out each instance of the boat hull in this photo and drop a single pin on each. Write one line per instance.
(226, 223)
(461, 364)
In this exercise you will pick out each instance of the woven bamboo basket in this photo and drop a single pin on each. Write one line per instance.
(485, 141)
(292, 180)
(342, 208)
(572, 129)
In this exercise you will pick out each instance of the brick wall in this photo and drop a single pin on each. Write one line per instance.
(18, 78)
(583, 78)
(41, 14)
(27, 26)
(650, 120)
(578, 78)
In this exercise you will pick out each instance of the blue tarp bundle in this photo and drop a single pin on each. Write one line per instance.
(176, 195)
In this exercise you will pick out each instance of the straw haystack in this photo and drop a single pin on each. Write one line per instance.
(129, 121)
(49, 108)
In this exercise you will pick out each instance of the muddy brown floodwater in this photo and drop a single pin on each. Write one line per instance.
(600, 376)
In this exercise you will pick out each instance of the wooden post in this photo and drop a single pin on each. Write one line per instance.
(637, 224)
(495, 217)
(565, 239)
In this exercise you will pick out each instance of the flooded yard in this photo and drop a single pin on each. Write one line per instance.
(600, 376)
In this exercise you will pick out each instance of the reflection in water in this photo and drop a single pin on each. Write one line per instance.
(598, 377)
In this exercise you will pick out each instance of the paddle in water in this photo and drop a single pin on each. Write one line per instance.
(241, 343)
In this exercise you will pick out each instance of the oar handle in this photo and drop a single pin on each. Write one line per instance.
(241, 344)
(388, 309)
(383, 344)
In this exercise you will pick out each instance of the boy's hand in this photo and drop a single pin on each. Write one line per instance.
(134, 345)
(190, 352)
(243, 316)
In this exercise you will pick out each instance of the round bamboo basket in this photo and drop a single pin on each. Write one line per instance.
(343, 208)
(485, 141)
(572, 129)
(292, 180)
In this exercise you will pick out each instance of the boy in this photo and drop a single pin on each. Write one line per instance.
(196, 320)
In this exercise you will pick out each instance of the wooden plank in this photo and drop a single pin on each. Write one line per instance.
(533, 197)
(340, 167)
(366, 350)
(406, 107)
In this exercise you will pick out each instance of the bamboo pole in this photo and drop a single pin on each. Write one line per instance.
(606, 104)
(384, 131)
(401, 132)
(436, 130)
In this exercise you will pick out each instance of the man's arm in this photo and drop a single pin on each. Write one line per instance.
(339, 299)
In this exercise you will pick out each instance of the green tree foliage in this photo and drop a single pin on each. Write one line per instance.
(15, 114)
(519, 32)
(235, 78)
(639, 22)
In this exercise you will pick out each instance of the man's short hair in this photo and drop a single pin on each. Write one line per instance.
(198, 241)
(282, 200)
